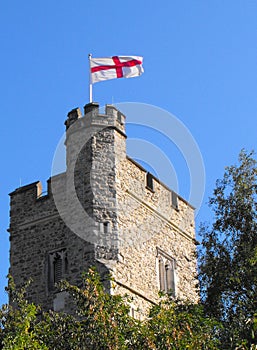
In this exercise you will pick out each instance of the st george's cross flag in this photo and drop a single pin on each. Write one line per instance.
(115, 67)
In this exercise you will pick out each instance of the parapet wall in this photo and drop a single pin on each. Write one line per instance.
(28, 203)
(150, 220)
(160, 199)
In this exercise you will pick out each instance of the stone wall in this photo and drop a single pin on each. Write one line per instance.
(148, 221)
(37, 231)
(100, 212)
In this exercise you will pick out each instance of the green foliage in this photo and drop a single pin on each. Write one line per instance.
(104, 318)
(103, 322)
(19, 325)
(182, 325)
(228, 259)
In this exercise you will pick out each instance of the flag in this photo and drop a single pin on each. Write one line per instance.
(115, 67)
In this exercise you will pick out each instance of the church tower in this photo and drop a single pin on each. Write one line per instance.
(106, 211)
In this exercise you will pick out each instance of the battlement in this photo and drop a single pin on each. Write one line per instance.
(94, 119)
(105, 210)
(34, 190)
(29, 203)
(143, 188)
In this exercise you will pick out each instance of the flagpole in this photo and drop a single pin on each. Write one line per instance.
(90, 81)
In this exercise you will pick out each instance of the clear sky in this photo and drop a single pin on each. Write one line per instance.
(199, 61)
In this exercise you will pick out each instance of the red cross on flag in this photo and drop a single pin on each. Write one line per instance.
(115, 67)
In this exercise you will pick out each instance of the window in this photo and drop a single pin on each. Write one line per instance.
(106, 227)
(174, 200)
(57, 267)
(167, 267)
(149, 181)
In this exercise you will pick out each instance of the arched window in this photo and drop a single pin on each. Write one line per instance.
(167, 267)
(57, 267)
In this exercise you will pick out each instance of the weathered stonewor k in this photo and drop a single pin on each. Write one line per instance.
(105, 210)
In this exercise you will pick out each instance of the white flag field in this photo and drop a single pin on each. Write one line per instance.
(115, 67)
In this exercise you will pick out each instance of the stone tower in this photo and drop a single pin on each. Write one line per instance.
(107, 211)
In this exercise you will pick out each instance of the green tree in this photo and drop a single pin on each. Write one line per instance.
(228, 258)
(19, 324)
(179, 324)
(103, 323)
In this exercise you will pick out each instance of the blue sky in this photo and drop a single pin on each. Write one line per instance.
(200, 65)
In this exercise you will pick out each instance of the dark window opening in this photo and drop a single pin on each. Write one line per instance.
(149, 181)
(174, 200)
(57, 267)
(106, 227)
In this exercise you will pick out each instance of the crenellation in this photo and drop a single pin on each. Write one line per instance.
(73, 116)
(92, 108)
(121, 228)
